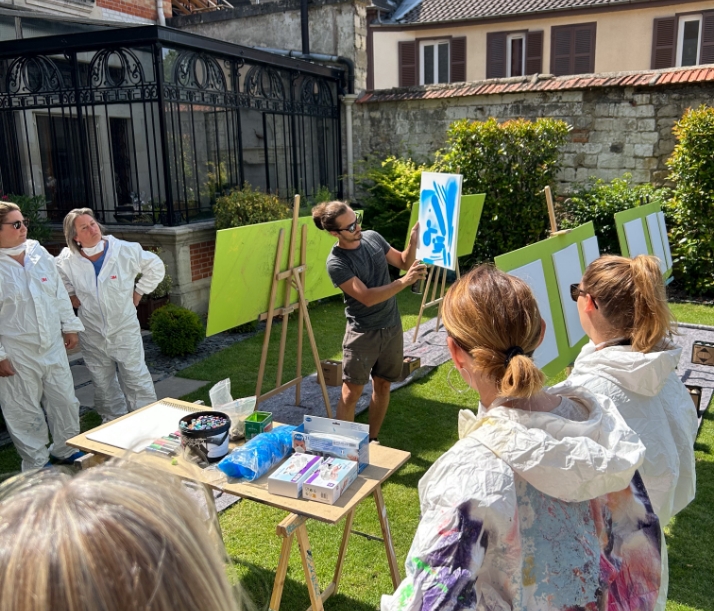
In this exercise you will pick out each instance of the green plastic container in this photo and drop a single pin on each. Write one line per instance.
(257, 423)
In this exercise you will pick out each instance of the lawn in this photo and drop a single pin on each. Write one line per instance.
(422, 419)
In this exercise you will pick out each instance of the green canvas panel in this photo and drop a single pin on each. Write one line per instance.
(243, 270)
(638, 212)
(469, 218)
(544, 251)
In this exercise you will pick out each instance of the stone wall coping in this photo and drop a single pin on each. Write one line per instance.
(544, 82)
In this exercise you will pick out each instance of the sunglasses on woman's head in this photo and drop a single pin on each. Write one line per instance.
(576, 291)
(18, 224)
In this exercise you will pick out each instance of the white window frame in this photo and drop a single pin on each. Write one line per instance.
(680, 38)
(435, 43)
(509, 39)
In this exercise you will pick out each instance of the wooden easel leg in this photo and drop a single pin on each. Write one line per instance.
(313, 344)
(423, 301)
(441, 297)
(301, 317)
(387, 536)
(308, 565)
(281, 573)
(269, 319)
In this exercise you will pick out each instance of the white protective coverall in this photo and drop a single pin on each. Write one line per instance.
(656, 405)
(535, 511)
(112, 336)
(34, 312)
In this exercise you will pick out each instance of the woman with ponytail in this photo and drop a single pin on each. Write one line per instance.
(538, 505)
(630, 358)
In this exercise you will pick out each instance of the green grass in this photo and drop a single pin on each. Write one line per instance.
(422, 420)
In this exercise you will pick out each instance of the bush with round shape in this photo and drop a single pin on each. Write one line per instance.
(176, 330)
(248, 206)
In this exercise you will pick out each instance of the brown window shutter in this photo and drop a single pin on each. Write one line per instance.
(706, 55)
(496, 54)
(561, 46)
(458, 59)
(664, 42)
(408, 76)
(584, 49)
(534, 52)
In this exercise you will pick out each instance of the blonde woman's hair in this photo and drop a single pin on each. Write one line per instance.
(631, 297)
(112, 538)
(70, 230)
(6, 208)
(325, 214)
(495, 318)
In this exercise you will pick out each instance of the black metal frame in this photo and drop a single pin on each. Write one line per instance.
(100, 119)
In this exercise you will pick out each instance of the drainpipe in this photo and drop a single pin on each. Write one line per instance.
(160, 17)
(304, 27)
(348, 100)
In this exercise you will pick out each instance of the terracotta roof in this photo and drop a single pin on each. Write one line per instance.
(430, 11)
(544, 82)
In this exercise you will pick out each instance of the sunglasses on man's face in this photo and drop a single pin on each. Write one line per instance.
(18, 224)
(576, 292)
(353, 226)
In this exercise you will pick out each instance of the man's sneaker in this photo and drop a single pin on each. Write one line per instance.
(70, 459)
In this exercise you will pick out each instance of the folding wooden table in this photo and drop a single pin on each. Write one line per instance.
(384, 462)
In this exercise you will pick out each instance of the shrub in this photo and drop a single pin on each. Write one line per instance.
(176, 330)
(511, 162)
(39, 228)
(393, 186)
(598, 201)
(692, 206)
(248, 206)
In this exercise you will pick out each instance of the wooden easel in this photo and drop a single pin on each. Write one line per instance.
(436, 273)
(551, 213)
(293, 277)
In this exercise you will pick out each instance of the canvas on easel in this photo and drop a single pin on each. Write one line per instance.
(642, 231)
(470, 209)
(439, 200)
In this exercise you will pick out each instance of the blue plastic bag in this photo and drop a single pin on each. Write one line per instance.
(259, 455)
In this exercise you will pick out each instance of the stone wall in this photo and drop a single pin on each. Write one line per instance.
(615, 129)
(336, 27)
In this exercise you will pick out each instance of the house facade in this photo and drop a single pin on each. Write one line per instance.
(428, 42)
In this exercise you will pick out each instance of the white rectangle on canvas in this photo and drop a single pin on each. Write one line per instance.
(656, 239)
(439, 202)
(635, 235)
(568, 271)
(533, 275)
(591, 250)
(665, 239)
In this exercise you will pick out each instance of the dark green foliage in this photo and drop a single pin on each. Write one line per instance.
(176, 330)
(598, 201)
(393, 187)
(39, 228)
(692, 207)
(248, 206)
(511, 162)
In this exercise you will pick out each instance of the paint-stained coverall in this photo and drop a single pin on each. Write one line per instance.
(112, 336)
(34, 312)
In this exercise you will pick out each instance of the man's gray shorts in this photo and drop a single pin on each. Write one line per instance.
(379, 352)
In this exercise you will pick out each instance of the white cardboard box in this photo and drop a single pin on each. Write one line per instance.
(288, 478)
(333, 477)
(336, 438)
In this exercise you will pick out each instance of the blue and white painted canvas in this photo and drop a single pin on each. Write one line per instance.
(439, 202)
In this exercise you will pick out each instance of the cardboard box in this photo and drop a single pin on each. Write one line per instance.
(335, 438)
(703, 353)
(410, 365)
(327, 484)
(288, 478)
(332, 370)
(695, 392)
(257, 423)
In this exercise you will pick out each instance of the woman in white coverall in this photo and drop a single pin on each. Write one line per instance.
(539, 505)
(623, 309)
(37, 325)
(99, 272)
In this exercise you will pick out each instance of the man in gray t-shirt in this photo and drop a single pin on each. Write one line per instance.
(359, 266)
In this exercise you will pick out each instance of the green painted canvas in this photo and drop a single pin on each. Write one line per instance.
(536, 265)
(243, 270)
(469, 218)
